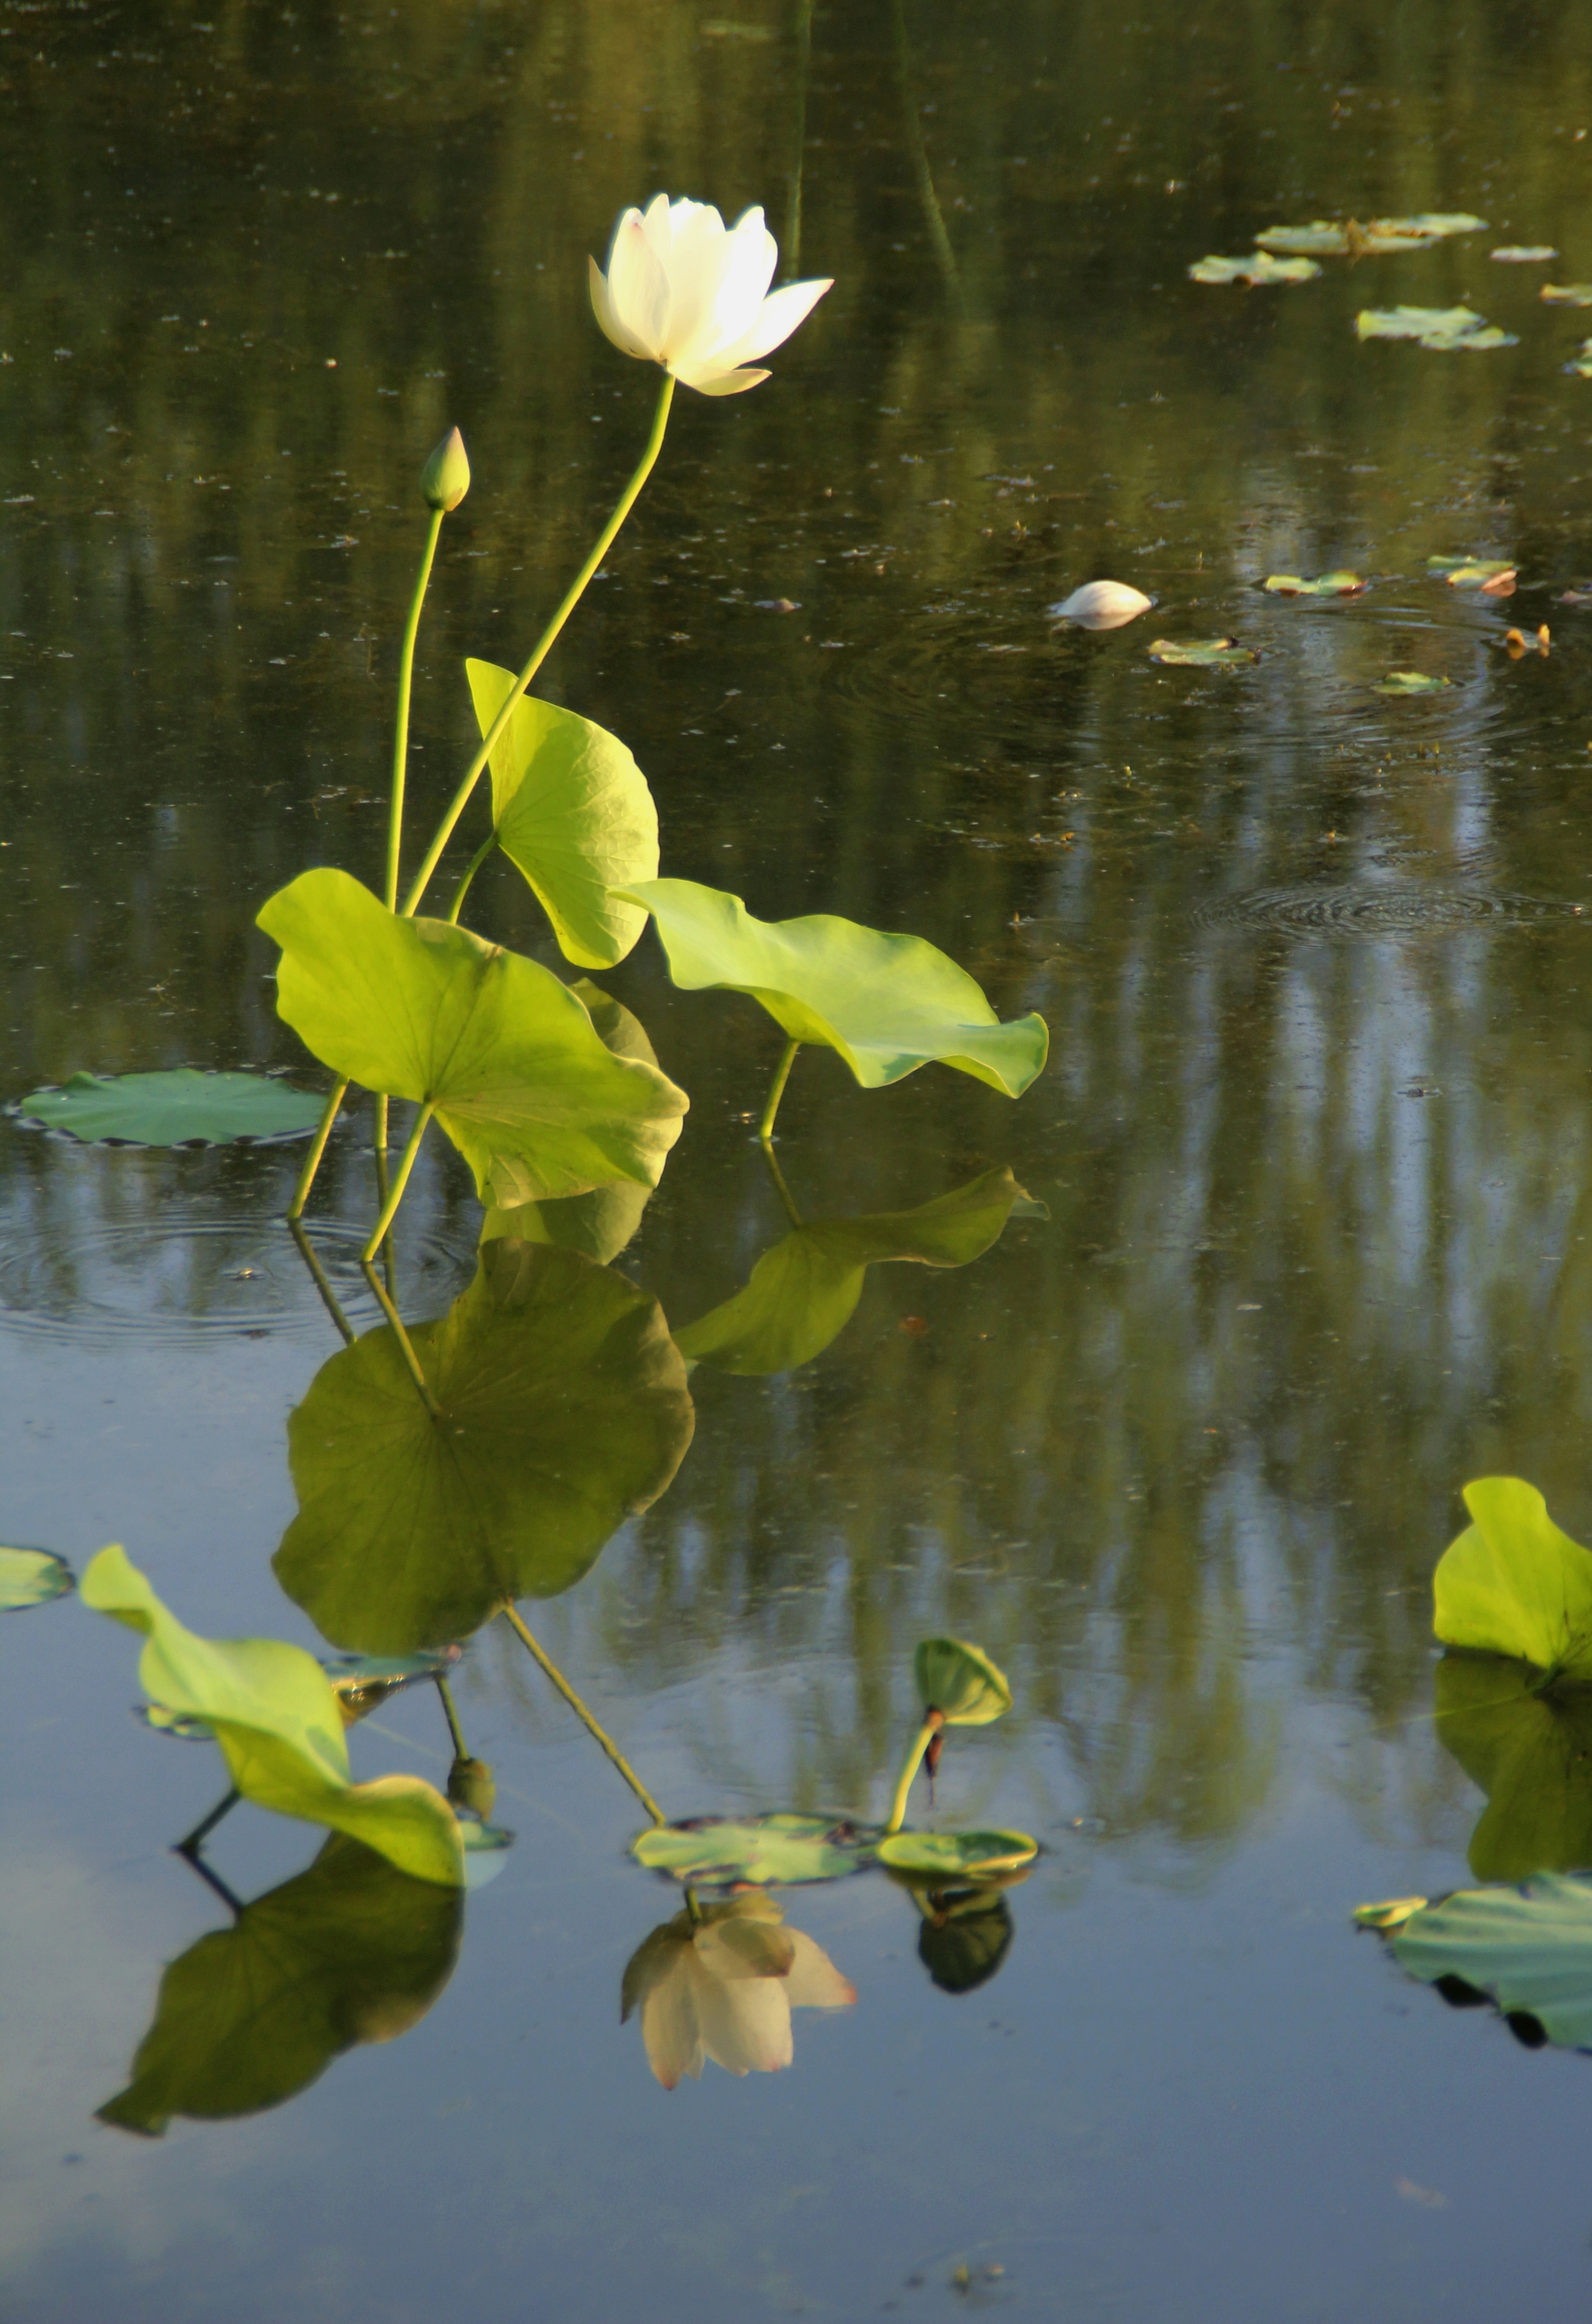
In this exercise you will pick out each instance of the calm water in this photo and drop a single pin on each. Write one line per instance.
(1314, 1139)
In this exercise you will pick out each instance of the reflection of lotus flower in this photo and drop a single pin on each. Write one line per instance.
(1102, 605)
(683, 291)
(723, 1986)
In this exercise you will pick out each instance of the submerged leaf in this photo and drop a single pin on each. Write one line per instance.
(1410, 681)
(1329, 585)
(565, 1411)
(957, 1856)
(886, 1004)
(521, 1079)
(31, 1577)
(764, 1851)
(1202, 653)
(179, 1108)
(1565, 294)
(1259, 267)
(1531, 1752)
(803, 1292)
(960, 1681)
(1512, 1583)
(1528, 1948)
(272, 1711)
(572, 812)
(1446, 330)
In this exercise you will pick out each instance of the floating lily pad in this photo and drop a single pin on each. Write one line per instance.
(31, 1577)
(1579, 365)
(1448, 330)
(1472, 570)
(1524, 254)
(1514, 1584)
(573, 813)
(1565, 294)
(1531, 1752)
(767, 1851)
(960, 1681)
(565, 1412)
(179, 1108)
(275, 1717)
(1203, 653)
(1259, 267)
(957, 1856)
(351, 1951)
(1528, 1949)
(886, 1004)
(803, 1292)
(519, 1077)
(1328, 585)
(1410, 681)
(1381, 237)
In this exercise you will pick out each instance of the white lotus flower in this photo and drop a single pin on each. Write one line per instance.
(685, 291)
(1102, 605)
(724, 1988)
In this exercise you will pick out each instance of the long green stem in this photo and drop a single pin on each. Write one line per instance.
(477, 860)
(511, 1616)
(312, 1160)
(914, 1760)
(306, 1252)
(786, 1197)
(400, 726)
(400, 1180)
(448, 1713)
(544, 645)
(782, 1076)
(396, 1320)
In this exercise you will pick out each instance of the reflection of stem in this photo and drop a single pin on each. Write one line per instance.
(791, 1212)
(944, 255)
(477, 860)
(313, 1159)
(914, 1760)
(544, 645)
(693, 1908)
(306, 1252)
(400, 1180)
(448, 1713)
(511, 1616)
(396, 1320)
(793, 203)
(206, 1824)
(234, 1905)
(400, 729)
(782, 1076)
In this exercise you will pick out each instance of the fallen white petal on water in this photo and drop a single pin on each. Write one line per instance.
(1102, 605)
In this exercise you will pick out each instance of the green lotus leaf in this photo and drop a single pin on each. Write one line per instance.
(1444, 328)
(1435, 224)
(1528, 1948)
(275, 1716)
(758, 1851)
(363, 1683)
(1259, 267)
(1410, 681)
(1514, 1584)
(803, 1292)
(573, 812)
(1530, 1753)
(565, 1412)
(1381, 237)
(1565, 294)
(952, 1857)
(1329, 585)
(31, 1577)
(887, 1004)
(520, 1077)
(1483, 569)
(960, 1681)
(179, 1108)
(351, 1951)
(1202, 653)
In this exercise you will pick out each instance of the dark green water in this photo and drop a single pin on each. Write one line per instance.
(1314, 1139)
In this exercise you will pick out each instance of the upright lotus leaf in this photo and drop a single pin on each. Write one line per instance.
(960, 1681)
(1328, 585)
(179, 1107)
(565, 1411)
(1514, 1584)
(1446, 330)
(510, 1058)
(572, 810)
(31, 1577)
(1528, 1948)
(1202, 653)
(272, 1711)
(351, 1951)
(887, 1004)
(803, 1292)
(766, 1852)
(1259, 267)
(1530, 1753)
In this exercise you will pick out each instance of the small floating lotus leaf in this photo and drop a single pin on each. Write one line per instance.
(957, 1856)
(1328, 585)
(764, 1851)
(1565, 294)
(1203, 653)
(1102, 605)
(520, 1077)
(1380, 238)
(1471, 571)
(273, 1712)
(1432, 224)
(1579, 365)
(1524, 254)
(1446, 330)
(1531, 1752)
(566, 1411)
(1514, 1584)
(31, 1577)
(1410, 681)
(1528, 1948)
(803, 1292)
(574, 814)
(1392, 1913)
(886, 1004)
(1259, 267)
(179, 1108)
(1321, 237)
(959, 1682)
(351, 1951)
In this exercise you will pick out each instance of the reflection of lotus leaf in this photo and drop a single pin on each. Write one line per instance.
(761, 1851)
(31, 1577)
(351, 1951)
(1528, 1949)
(960, 1681)
(1531, 1754)
(952, 1857)
(803, 1292)
(1512, 1583)
(1259, 267)
(964, 1939)
(179, 1107)
(565, 1411)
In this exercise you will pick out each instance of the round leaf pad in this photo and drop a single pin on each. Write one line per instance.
(180, 1108)
(31, 1577)
(960, 1681)
(950, 1856)
(757, 1851)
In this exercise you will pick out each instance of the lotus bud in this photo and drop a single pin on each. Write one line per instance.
(470, 1786)
(1102, 605)
(446, 477)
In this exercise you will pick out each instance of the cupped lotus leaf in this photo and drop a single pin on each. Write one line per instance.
(1530, 1753)
(953, 1856)
(1565, 294)
(274, 1714)
(1328, 585)
(1528, 1949)
(1202, 653)
(1579, 365)
(802, 1293)
(887, 1004)
(1258, 267)
(565, 1411)
(181, 1107)
(1410, 681)
(1514, 1584)
(765, 1852)
(960, 1681)
(31, 1577)
(573, 812)
(519, 1076)
(351, 1951)
(1446, 330)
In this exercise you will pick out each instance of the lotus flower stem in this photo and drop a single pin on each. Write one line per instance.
(782, 1076)
(313, 1159)
(477, 860)
(914, 1760)
(400, 726)
(400, 1180)
(511, 1616)
(544, 645)
(329, 1297)
(396, 1320)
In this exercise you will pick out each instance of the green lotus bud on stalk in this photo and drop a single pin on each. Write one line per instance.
(446, 477)
(958, 1686)
(470, 1786)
